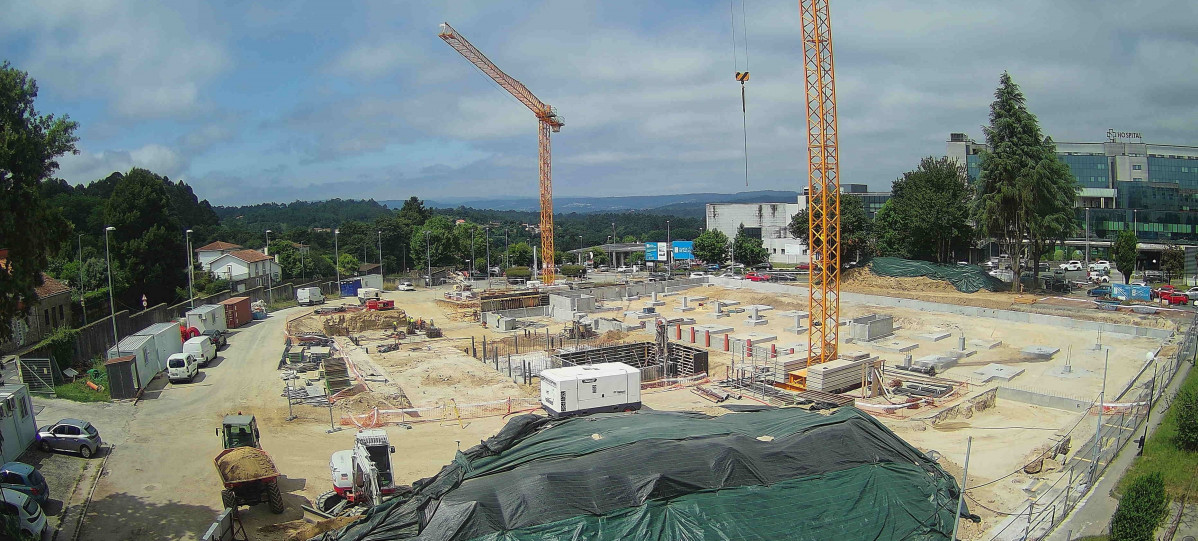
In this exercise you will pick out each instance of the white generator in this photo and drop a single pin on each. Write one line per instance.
(592, 388)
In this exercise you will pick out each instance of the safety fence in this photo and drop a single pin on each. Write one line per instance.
(1119, 420)
(449, 411)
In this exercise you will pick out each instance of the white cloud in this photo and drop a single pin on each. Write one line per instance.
(87, 166)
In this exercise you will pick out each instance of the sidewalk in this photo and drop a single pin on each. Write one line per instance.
(1093, 515)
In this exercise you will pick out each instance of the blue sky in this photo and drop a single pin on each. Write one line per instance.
(250, 102)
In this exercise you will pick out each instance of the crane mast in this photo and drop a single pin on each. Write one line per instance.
(548, 121)
(823, 182)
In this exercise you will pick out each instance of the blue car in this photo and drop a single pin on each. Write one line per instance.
(24, 478)
(1100, 291)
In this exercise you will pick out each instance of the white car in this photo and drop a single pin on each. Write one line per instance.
(698, 274)
(1073, 265)
(1101, 265)
(624, 269)
(31, 521)
(1192, 293)
(182, 367)
(405, 286)
(1099, 277)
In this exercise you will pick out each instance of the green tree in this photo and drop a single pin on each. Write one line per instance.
(1141, 510)
(927, 215)
(855, 228)
(1173, 262)
(1024, 191)
(711, 247)
(348, 264)
(636, 258)
(1123, 254)
(438, 243)
(1186, 408)
(32, 230)
(520, 254)
(597, 256)
(748, 250)
(147, 240)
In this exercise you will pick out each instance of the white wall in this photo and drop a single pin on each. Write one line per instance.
(205, 257)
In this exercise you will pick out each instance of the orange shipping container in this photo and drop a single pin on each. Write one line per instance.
(237, 311)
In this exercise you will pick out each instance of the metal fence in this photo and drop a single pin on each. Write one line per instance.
(1117, 420)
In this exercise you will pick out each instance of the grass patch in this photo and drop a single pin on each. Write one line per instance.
(279, 305)
(80, 392)
(1178, 467)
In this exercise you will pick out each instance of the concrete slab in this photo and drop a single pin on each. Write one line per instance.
(960, 354)
(797, 330)
(1073, 373)
(985, 344)
(755, 322)
(939, 362)
(696, 298)
(714, 329)
(794, 313)
(729, 303)
(935, 336)
(794, 348)
(895, 345)
(758, 338)
(1040, 352)
(759, 307)
(854, 355)
(998, 372)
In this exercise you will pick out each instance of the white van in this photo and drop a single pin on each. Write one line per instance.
(307, 296)
(182, 366)
(202, 348)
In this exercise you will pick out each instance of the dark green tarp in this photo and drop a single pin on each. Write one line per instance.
(966, 278)
(776, 474)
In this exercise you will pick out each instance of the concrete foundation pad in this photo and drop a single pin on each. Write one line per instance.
(895, 345)
(794, 313)
(755, 322)
(960, 354)
(759, 307)
(796, 330)
(939, 362)
(685, 308)
(985, 344)
(799, 348)
(758, 338)
(997, 371)
(655, 303)
(714, 329)
(1073, 373)
(632, 298)
(854, 355)
(935, 336)
(719, 315)
(729, 303)
(699, 298)
(1040, 352)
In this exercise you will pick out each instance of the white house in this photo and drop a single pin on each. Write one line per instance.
(244, 264)
(206, 253)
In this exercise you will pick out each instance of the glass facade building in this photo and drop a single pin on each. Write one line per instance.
(1124, 184)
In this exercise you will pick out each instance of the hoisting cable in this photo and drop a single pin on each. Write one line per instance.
(741, 76)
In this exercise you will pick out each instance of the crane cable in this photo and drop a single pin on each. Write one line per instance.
(742, 77)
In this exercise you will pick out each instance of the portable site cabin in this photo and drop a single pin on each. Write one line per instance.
(18, 427)
(145, 354)
(349, 288)
(167, 340)
(592, 388)
(207, 317)
(372, 280)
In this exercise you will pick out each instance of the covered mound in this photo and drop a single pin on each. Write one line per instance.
(773, 474)
(966, 278)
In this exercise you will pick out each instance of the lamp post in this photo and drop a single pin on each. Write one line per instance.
(111, 302)
(669, 250)
(580, 249)
(191, 293)
(337, 260)
(507, 248)
(82, 304)
(1087, 239)
(381, 273)
(473, 257)
(269, 272)
(428, 258)
(488, 228)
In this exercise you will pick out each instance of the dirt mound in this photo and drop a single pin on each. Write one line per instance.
(303, 530)
(245, 464)
(864, 278)
(372, 320)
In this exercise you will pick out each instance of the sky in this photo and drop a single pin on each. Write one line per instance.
(280, 101)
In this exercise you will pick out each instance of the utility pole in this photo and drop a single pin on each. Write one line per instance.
(507, 249)
(428, 258)
(961, 497)
(190, 280)
(1098, 430)
(381, 273)
(269, 273)
(488, 256)
(1087, 239)
(337, 260)
(82, 304)
(669, 251)
(473, 256)
(111, 303)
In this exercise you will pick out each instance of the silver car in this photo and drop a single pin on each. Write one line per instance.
(30, 520)
(70, 435)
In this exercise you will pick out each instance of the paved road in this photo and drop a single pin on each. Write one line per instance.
(159, 482)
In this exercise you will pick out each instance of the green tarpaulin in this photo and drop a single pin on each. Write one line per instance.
(771, 474)
(966, 278)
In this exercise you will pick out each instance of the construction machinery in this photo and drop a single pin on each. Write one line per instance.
(248, 473)
(823, 182)
(548, 121)
(362, 476)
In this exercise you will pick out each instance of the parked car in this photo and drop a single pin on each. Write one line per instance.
(405, 286)
(1172, 297)
(1101, 265)
(219, 338)
(201, 348)
(1099, 278)
(24, 478)
(698, 275)
(1192, 293)
(757, 276)
(1100, 291)
(70, 435)
(658, 276)
(1158, 292)
(182, 366)
(806, 266)
(713, 268)
(30, 519)
(624, 269)
(1073, 265)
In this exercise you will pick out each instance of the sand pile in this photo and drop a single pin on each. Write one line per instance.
(303, 530)
(372, 320)
(864, 278)
(245, 464)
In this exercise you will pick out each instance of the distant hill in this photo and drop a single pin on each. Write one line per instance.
(690, 204)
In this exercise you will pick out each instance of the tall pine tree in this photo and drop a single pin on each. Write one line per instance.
(1024, 191)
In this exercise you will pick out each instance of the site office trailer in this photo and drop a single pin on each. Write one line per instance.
(592, 388)
(207, 317)
(167, 340)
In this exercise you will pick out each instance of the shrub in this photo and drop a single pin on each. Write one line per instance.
(1143, 507)
(573, 270)
(518, 272)
(1186, 406)
(61, 346)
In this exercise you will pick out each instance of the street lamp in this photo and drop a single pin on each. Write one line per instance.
(488, 228)
(269, 272)
(580, 249)
(669, 250)
(428, 258)
(507, 248)
(190, 278)
(381, 273)
(337, 260)
(82, 304)
(111, 302)
(473, 257)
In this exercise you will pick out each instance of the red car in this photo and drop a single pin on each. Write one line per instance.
(757, 276)
(1158, 292)
(1172, 296)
